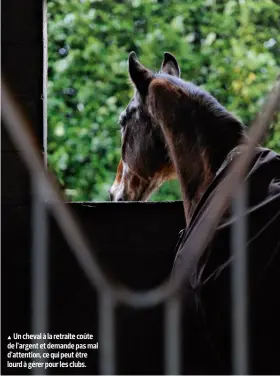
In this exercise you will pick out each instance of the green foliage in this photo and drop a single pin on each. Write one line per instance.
(229, 47)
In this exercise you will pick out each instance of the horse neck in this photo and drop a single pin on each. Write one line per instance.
(198, 145)
(193, 169)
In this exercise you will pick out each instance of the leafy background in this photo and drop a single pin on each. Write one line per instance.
(231, 48)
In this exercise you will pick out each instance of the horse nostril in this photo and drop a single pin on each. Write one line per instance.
(120, 199)
(111, 196)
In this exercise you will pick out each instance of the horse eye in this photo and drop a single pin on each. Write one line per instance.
(122, 120)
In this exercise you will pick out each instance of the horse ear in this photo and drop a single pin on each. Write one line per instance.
(140, 76)
(170, 65)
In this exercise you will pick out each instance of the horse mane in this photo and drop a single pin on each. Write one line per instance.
(214, 128)
(201, 96)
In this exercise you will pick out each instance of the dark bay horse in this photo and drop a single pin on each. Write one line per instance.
(172, 128)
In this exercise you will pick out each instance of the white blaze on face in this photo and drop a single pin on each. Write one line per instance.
(128, 186)
(121, 189)
(117, 188)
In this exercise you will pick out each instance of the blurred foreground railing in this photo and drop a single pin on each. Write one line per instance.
(46, 196)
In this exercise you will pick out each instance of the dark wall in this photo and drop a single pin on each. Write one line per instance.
(22, 68)
(134, 242)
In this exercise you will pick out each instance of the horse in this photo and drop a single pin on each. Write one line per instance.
(173, 129)
(158, 146)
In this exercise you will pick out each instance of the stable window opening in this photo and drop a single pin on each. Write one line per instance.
(226, 48)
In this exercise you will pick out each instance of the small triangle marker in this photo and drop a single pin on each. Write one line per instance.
(9, 337)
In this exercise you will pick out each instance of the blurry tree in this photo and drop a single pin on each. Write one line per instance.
(230, 47)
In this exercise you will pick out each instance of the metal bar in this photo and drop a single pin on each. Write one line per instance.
(20, 130)
(239, 284)
(172, 336)
(39, 265)
(106, 338)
